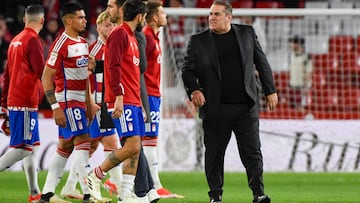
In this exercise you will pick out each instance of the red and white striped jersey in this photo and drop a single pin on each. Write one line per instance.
(70, 57)
(96, 79)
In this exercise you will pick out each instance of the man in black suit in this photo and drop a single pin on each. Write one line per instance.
(219, 77)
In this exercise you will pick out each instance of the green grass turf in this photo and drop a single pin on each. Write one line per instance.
(282, 187)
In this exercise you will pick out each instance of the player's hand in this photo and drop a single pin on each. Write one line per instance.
(197, 98)
(60, 118)
(118, 107)
(92, 63)
(271, 101)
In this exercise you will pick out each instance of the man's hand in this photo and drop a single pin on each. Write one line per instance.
(197, 98)
(271, 101)
(60, 118)
(118, 107)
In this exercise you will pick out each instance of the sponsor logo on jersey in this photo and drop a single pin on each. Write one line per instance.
(16, 43)
(82, 61)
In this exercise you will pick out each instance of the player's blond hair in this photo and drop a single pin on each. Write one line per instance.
(102, 17)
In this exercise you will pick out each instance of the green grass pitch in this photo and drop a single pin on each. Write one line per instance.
(282, 187)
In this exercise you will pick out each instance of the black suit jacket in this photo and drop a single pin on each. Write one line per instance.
(201, 70)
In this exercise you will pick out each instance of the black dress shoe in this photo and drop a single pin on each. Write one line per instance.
(215, 200)
(262, 199)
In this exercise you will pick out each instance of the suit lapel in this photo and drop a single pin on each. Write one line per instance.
(213, 57)
(241, 40)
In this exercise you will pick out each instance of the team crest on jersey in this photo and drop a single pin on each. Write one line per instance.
(153, 128)
(80, 125)
(136, 60)
(130, 126)
(81, 62)
(52, 58)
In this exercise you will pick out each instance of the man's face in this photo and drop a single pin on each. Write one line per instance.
(162, 21)
(105, 28)
(79, 21)
(116, 14)
(141, 22)
(219, 21)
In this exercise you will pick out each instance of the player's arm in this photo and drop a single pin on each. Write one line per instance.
(118, 47)
(91, 106)
(36, 56)
(47, 82)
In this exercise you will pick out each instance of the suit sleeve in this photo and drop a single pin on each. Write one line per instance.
(190, 71)
(263, 67)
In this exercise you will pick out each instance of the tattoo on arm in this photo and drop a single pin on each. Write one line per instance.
(50, 95)
(113, 159)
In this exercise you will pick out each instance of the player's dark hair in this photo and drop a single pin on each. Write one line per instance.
(34, 9)
(132, 8)
(152, 8)
(120, 3)
(70, 8)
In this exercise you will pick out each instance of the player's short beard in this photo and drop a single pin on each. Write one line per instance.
(139, 27)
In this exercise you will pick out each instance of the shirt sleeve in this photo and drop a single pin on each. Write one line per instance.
(36, 56)
(117, 44)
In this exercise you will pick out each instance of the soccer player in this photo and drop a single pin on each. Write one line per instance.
(155, 19)
(107, 137)
(21, 97)
(67, 65)
(144, 185)
(122, 93)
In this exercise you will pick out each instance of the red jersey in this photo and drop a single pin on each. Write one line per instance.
(153, 57)
(96, 80)
(24, 69)
(70, 58)
(121, 66)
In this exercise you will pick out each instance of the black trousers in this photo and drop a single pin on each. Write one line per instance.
(143, 178)
(244, 123)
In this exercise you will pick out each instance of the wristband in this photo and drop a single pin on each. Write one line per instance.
(55, 106)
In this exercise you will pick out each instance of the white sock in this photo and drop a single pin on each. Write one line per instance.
(127, 186)
(11, 157)
(72, 178)
(151, 156)
(81, 160)
(115, 173)
(31, 171)
(55, 172)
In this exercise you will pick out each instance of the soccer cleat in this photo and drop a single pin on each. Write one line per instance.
(153, 196)
(262, 199)
(111, 187)
(142, 199)
(34, 198)
(93, 184)
(71, 194)
(51, 198)
(164, 193)
(129, 200)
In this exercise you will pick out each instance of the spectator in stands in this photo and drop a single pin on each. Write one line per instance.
(219, 78)
(49, 34)
(300, 73)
